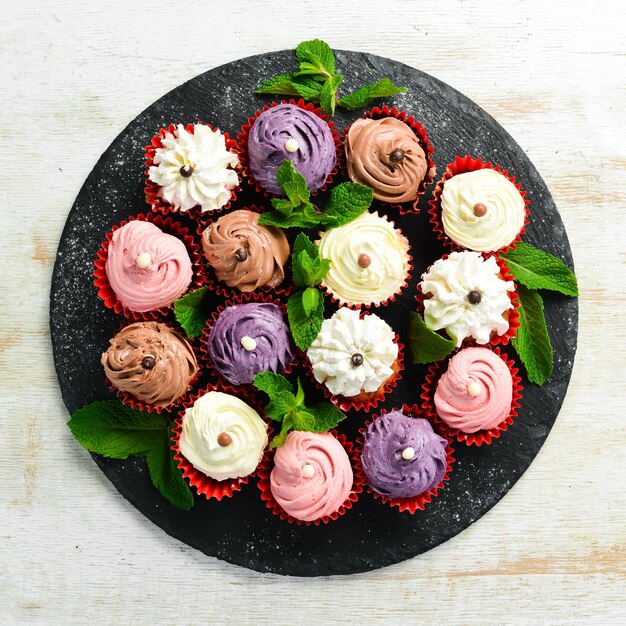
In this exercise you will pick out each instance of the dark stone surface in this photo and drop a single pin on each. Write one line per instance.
(242, 530)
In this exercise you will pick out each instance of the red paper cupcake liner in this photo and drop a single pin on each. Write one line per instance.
(284, 289)
(435, 370)
(134, 403)
(242, 143)
(378, 113)
(462, 165)
(392, 298)
(167, 225)
(153, 191)
(203, 484)
(242, 298)
(265, 469)
(513, 314)
(421, 500)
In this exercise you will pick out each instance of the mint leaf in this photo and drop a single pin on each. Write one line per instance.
(114, 430)
(304, 328)
(315, 57)
(327, 416)
(347, 201)
(310, 300)
(328, 94)
(300, 394)
(302, 243)
(271, 383)
(308, 87)
(279, 439)
(425, 344)
(287, 173)
(366, 95)
(294, 220)
(540, 270)
(281, 84)
(297, 192)
(165, 474)
(281, 403)
(532, 342)
(307, 266)
(303, 420)
(191, 311)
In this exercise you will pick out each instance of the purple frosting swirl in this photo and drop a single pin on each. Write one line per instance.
(314, 158)
(262, 322)
(388, 473)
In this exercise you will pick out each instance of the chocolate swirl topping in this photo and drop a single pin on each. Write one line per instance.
(151, 362)
(386, 155)
(244, 254)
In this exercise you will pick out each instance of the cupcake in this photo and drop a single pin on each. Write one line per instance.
(355, 357)
(289, 131)
(369, 258)
(467, 295)
(150, 362)
(192, 166)
(403, 457)
(146, 268)
(312, 476)
(246, 339)
(243, 253)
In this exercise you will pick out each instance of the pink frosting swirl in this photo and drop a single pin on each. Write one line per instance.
(476, 392)
(312, 475)
(167, 272)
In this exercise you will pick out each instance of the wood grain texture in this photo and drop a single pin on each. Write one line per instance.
(74, 551)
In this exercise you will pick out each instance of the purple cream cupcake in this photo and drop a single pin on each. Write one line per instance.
(246, 339)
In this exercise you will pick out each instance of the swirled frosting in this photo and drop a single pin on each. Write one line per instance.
(402, 456)
(305, 497)
(314, 157)
(493, 225)
(261, 322)
(351, 355)
(384, 249)
(372, 147)
(151, 362)
(452, 282)
(476, 391)
(195, 168)
(165, 275)
(222, 436)
(244, 254)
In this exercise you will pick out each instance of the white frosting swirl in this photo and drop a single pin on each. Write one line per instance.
(449, 282)
(371, 235)
(204, 151)
(341, 337)
(500, 224)
(211, 415)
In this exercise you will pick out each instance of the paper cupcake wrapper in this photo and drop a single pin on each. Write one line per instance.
(203, 484)
(167, 225)
(511, 315)
(421, 500)
(224, 291)
(153, 191)
(462, 165)
(242, 143)
(392, 298)
(378, 113)
(435, 371)
(135, 403)
(265, 469)
(242, 298)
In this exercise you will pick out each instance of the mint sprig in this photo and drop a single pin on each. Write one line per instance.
(425, 344)
(191, 311)
(290, 409)
(316, 80)
(113, 430)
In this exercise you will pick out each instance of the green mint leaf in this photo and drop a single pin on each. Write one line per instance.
(279, 439)
(532, 342)
(271, 383)
(540, 270)
(165, 474)
(303, 420)
(425, 344)
(366, 95)
(297, 192)
(281, 84)
(307, 87)
(114, 430)
(301, 243)
(295, 220)
(287, 173)
(283, 206)
(191, 311)
(304, 328)
(310, 300)
(327, 416)
(347, 201)
(328, 94)
(282, 403)
(316, 55)
(300, 394)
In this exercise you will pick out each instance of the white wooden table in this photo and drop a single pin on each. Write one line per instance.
(73, 74)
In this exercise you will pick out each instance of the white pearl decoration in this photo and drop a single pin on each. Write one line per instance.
(291, 145)
(248, 343)
(143, 260)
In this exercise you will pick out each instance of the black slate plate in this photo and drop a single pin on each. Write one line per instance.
(242, 530)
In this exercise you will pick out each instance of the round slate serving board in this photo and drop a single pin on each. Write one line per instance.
(242, 530)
